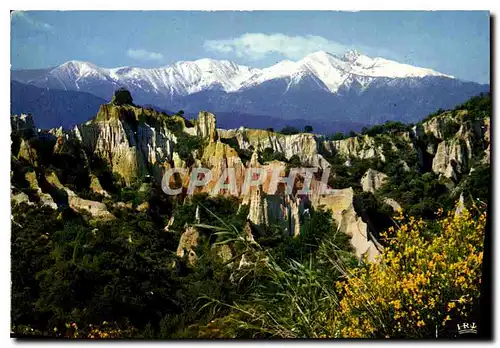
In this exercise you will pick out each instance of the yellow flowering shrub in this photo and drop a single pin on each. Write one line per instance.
(420, 280)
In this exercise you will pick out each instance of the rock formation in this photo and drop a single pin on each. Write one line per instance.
(372, 180)
(206, 126)
(341, 204)
(258, 213)
(133, 142)
(188, 243)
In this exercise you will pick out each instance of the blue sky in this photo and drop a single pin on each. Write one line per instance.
(455, 43)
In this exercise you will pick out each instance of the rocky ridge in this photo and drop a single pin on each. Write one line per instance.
(135, 143)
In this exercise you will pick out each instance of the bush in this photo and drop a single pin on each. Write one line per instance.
(122, 97)
(290, 290)
(338, 136)
(269, 155)
(420, 283)
(289, 130)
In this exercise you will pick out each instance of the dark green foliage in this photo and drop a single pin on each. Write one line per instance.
(477, 184)
(67, 267)
(338, 136)
(225, 207)
(244, 154)
(186, 143)
(419, 195)
(308, 129)
(477, 108)
(65, 270)
(373, 211)
(390, 127)
(44, 147)
(314, 229)
(185, 146)
(289, 130)
(173, 124)
(268, 155)
(122, 97)
(344, 176)
(71, 167)
(434, 114)
(293, 162)
(270, 129)
(450, 129)
(108, 180)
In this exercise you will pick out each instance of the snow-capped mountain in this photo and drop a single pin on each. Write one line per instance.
(321, 86)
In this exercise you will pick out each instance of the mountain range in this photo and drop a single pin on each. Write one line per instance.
(322, 88)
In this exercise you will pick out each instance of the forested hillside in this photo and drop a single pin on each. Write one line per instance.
(100, 251)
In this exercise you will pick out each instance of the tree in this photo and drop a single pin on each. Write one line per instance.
(289, 130)
(270, 129)
(122, 97)
(308, 129)
(338, 136)
(421, 283)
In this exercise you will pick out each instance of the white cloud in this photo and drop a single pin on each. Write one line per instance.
(23, 16)
(256, 46)
(141, 54)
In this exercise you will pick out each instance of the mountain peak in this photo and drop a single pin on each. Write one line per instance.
(78, 64)
(319, 55)
(351, 55)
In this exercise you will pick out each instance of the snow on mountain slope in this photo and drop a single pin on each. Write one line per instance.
(188, 77)
(336, 71)
(322, 86)
(185, 77)
(70, 73)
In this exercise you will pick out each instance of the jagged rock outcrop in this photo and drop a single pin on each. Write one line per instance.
(394, 205)
(461, 205)
(372, 180)
(294, 216)
(362, 147)
(224, 252)
(303, 145)
(258, 210)
(22, 124)
(247, 233)
(188, 243)
(218, 157)
(451, 158)
(27, 152)
(341, 202)
(45, 198)
(94, 208)
(132, 141)
(144, 206)
(206, 126)
(454, 152)
(486, 128)
(437, 125)
(95, 186)
(20, 197)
